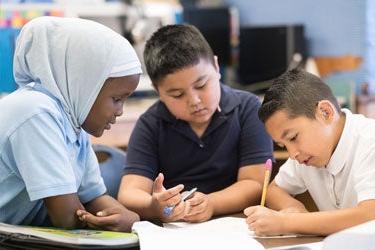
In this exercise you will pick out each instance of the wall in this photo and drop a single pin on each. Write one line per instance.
(333, 27)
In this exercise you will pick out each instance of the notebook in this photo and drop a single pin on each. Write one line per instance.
(27, 237)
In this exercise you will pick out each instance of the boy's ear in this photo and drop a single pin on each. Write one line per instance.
(217, 68)
(325, 111)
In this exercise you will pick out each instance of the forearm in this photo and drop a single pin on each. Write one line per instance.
(138, 201)
(328, 222)
(279, 200)
(236, 197)
(100, 203)
(62, 211)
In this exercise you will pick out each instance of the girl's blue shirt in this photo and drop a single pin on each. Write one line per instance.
(41, 155)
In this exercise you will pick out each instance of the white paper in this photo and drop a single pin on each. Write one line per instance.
(222, 225)
(358, 237)
(194, 237)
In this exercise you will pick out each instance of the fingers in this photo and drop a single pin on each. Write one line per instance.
(158, 184)
(198, 208)
(251, 210)
(109, 211)
(172, 195)
(197, 205)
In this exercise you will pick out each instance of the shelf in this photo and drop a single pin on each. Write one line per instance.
(72, 10)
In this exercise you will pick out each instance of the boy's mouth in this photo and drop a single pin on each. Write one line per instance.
(200, 112)
(306, 162)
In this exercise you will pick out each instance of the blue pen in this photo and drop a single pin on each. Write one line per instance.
(169, 209)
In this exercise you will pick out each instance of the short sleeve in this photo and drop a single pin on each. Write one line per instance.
(364, 175)
(289, 179)
(255, 144)
(92, 185)
(142, 153)
(43, 161)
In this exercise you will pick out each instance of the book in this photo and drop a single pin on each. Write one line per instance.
(15, 235)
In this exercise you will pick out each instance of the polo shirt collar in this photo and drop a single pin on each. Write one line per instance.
(228, 101)
(340, 155)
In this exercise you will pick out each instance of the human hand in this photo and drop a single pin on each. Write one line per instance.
(162, 197)
(116, 218)
(198, 208)
(264, 221)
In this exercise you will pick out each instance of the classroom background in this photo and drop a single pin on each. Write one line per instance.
(255, 41)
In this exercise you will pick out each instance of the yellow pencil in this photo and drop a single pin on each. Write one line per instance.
(267, 176)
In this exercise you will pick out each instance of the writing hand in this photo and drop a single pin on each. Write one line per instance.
(264, 221)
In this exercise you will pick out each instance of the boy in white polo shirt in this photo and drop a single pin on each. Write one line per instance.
(332, 155)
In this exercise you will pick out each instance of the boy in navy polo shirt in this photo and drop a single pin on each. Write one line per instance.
(200, 134)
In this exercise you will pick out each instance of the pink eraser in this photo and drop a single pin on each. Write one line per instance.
(269, 165)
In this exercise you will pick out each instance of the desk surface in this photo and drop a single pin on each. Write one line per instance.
(268, 243)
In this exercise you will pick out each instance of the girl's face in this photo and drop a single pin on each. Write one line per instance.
(109, 104)
(192, 94)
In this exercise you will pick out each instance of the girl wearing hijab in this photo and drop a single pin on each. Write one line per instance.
(74, 76)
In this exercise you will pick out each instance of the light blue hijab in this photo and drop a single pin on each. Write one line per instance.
(72, 58)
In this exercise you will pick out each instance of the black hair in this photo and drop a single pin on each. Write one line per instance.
(298, 93)
(174, 47)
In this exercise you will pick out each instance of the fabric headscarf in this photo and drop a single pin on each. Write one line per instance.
(72, 58)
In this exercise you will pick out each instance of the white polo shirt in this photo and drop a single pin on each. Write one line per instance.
(349, 177)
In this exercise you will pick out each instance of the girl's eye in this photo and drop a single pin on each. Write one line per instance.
(116, 99)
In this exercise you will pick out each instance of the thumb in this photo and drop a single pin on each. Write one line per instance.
(158, 184)
(108, 211)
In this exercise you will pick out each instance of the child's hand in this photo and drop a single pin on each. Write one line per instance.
(162, 198)
(264, 221)
(198, 208)
(116, 218)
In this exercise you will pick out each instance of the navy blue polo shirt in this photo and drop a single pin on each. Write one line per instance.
(234, 138)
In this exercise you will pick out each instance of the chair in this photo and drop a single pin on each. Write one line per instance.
(111, 164)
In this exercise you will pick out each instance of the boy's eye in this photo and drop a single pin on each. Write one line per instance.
(177, 96)
(293, 138)
(200, 86)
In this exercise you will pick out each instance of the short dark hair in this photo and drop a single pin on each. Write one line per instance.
(298, 93)
(174, 47)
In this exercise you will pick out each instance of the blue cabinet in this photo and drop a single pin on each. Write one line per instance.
(7, 45)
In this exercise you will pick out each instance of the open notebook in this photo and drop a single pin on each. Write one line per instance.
(26, 237)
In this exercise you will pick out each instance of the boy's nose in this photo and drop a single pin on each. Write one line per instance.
(293, 153)
(194, 100)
